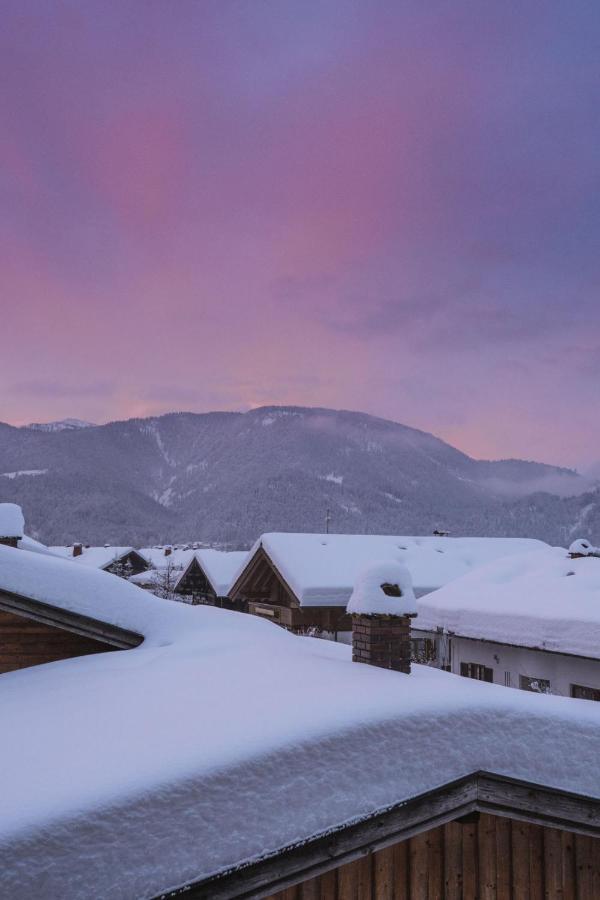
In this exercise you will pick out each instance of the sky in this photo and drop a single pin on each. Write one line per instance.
(390, 206)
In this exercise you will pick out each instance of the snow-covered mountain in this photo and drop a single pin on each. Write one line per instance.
(229, 476)
(62, 425)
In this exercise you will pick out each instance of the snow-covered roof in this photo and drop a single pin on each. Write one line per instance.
(177, 558)
(28, 543)
(85, 590)
(220, 566)
(97, 557)
(136, 772)
(12, 523)
(369, 597)
(321, 569)
(149, 577)
(543, 600)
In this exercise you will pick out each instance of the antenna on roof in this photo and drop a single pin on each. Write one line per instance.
(327, 520)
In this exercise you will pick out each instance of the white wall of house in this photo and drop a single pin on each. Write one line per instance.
(509, 663)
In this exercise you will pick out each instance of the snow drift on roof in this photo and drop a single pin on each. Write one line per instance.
(28, 543)
(321, 569)
(543, 600)
(12, 523)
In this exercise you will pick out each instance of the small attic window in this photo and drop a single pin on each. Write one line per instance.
(391, 590)
(570, 573)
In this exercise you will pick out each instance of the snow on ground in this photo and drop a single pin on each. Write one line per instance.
(543, 600)
(222, 738)
(321, 568)
(12, 523)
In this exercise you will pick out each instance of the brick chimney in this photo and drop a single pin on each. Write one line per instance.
(382, 605)
(77, 549)
(168, 551)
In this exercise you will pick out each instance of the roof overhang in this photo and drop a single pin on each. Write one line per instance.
(74, 622)
(479, 792)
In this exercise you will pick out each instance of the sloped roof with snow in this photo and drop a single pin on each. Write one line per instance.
(129, 774)
(97, 557)
(12, 523)
(543, 600)
(321, 569)
(28, 543)
(177, 558)
(220, 566)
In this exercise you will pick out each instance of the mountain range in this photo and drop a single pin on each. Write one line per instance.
(226, 477)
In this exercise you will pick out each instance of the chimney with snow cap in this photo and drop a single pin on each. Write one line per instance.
(168, 550)
(77, 549)
(382, 605)
(581, 547)
(12, 524)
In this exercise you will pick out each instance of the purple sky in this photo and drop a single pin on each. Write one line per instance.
(392, 207)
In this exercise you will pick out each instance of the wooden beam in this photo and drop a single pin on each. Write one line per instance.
(69, 621)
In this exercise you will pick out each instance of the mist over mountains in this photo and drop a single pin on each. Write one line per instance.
(227, 477)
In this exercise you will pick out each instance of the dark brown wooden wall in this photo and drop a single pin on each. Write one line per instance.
(25, 642)
(494, 859)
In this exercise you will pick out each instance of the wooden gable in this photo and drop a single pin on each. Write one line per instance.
(194, 583)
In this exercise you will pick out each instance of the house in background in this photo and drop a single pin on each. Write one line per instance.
(529, 621)
(123, 561)
(304, 581)
(207, 577)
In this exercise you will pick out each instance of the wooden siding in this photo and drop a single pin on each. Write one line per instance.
(25, 642)
(484, 857)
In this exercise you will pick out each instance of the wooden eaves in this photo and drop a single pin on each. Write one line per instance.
(118, 637)
(480, 792)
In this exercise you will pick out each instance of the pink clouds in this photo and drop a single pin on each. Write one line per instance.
(384, 207)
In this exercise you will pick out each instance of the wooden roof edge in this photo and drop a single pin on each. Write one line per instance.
(115, 635)
(131, 551)
(250, 563)
(261, 553)
(479, 792)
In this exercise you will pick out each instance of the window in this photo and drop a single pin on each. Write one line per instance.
(475, 670)
(423, 650)
(507, 679)
(537, 685)
(585, 693)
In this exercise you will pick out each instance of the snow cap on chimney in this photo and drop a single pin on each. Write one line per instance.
(581, 547)
(12, 524)
(383, 588)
